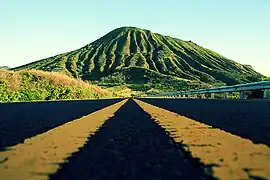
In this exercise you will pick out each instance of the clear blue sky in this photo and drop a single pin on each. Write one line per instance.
(35, 29)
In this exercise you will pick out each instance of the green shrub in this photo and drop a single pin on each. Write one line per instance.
(38, 85)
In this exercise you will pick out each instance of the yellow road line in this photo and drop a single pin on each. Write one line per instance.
(232, 156)
(39, 156)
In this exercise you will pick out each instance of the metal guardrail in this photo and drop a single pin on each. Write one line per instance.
(263, 85)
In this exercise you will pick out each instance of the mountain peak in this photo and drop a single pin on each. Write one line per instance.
(129, 28)
(129, 46)
(125, 29)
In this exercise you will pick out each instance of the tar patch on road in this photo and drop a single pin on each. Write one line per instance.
(131, 146)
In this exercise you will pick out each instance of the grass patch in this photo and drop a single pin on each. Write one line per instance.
(35, 85)
(148, 81)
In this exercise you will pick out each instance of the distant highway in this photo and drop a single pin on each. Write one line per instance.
(135, 139)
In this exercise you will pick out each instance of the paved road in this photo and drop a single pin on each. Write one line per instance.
(131, 146)
(23, 120)
(246, 118)
(230, 156)
(135, 140)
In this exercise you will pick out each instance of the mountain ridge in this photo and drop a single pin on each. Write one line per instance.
(135, 47)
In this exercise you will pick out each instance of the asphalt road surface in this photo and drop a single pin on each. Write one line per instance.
(246, 118)
(23, 120)
(141, 139)
(131, 146)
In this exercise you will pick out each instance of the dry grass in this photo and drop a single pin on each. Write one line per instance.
(29, 85)
(59, 79)
(3, 74)
(121, 91)
(12, 78)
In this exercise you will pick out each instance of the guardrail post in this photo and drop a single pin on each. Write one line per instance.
(266, 94)
(242, 94)
(212, 95)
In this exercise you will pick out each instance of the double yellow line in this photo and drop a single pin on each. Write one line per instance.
(40, 156)
(230, 156)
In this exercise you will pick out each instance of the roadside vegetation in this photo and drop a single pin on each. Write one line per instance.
(126, 62)
(148, 82)
(4, 67)
(33, 85)
(265, 79)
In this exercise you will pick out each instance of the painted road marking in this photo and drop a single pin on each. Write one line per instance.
(40, 156)
(230, 156)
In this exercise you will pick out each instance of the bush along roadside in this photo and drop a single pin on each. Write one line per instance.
(33, 85)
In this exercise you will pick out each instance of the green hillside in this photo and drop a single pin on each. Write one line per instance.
(4, 67)
(142, 79)
(127, 50)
